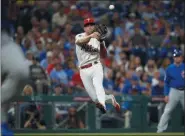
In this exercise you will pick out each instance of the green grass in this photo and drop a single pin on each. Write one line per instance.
(100, 134)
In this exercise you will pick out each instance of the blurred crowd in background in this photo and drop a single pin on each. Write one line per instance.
(142, 36)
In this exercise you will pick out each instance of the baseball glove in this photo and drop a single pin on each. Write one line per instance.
(102, 30)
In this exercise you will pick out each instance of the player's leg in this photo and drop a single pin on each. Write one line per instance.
(182, 98)
(173, 101)
(98, 84)
(109, 98)
(88, 84)
(86, 76)
(97, 78)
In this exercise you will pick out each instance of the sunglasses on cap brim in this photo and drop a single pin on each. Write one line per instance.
(89, 24)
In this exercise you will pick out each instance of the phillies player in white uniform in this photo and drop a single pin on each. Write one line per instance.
(91, 70)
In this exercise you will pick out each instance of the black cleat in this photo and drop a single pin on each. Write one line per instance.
(101, 107)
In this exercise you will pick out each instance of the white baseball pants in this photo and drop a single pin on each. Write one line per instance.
(175, 96)
(92, 79)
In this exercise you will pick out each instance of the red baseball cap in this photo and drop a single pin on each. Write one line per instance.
(89, 21)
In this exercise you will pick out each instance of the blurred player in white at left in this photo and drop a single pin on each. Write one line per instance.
(14, 70)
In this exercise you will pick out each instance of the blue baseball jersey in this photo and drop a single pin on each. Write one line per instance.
(174, 77)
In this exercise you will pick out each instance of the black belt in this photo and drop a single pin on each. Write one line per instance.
(180, 88)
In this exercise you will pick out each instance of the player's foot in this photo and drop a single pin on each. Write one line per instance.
(115, 104)
(101, 107)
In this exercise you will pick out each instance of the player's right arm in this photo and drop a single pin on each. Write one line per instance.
(80, 39)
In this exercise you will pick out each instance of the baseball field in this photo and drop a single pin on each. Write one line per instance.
(100, 134)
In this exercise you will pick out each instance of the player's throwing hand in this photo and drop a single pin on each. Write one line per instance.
(95, 35)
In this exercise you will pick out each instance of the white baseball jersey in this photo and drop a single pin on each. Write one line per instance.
(88, 52)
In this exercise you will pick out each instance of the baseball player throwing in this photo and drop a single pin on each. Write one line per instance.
(174, 89)
(91, 70)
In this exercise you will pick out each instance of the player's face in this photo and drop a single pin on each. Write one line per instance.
(178, 59)
(58, 90)
(89, 28)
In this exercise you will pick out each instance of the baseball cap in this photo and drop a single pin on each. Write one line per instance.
(88, 21)
(177, 53)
